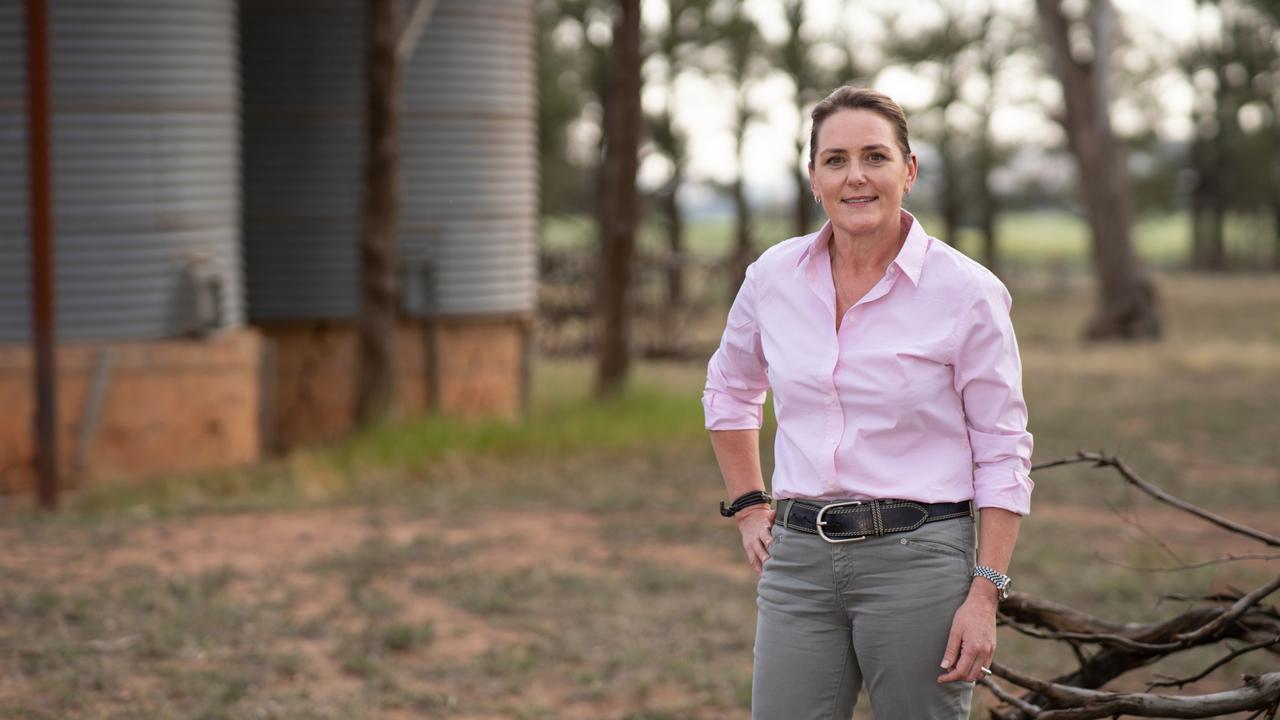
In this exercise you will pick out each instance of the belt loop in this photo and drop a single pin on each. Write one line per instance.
(877, 523)
(786, 511)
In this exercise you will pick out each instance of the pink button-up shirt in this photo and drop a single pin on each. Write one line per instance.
(918, 396)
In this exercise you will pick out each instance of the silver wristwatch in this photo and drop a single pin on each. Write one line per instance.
(1001, 581)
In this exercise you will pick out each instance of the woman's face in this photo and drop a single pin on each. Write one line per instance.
(860, 174)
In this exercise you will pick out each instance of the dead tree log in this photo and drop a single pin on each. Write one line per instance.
(1259, 692)
(1106, 650)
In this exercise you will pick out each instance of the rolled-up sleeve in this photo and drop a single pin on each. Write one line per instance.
(737, 378)
(988, 376)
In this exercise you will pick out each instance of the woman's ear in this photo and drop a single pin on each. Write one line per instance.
(913, 170)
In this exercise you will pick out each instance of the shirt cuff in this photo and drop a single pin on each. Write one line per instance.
(726, 412)
(1002, 487)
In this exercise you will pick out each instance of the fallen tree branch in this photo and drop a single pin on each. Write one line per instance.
(1179, 682)
(1108, 639)
(1009, 698)
(1258, 692)
(1193, 627)
(1122, 647)
(1195, 565)
(1240, 607)
(1132, 478)
(1056, 616)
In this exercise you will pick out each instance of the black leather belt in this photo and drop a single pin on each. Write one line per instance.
(851, 520)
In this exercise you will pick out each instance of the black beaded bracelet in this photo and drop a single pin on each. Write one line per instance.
(755, 497)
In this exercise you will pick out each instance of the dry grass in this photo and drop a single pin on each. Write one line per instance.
(495, 578)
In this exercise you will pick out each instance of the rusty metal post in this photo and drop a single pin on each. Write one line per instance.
(40, 195)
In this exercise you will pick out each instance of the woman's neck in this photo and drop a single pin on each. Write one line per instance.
(866, 254)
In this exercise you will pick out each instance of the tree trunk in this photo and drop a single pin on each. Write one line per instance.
(1208, 201)
(950, 164)
(804, 203)
(619, 203)
(675, 242)
(1275, 220)
(1203, 227)
(1127, 303)
(987, 221)
(804, 195)
(1275, 187)
(742, 252)
(950, 184)
(375, 386)
(988, 207)
(741, 256)
(1222, 162)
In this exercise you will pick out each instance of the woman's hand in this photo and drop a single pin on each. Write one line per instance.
(756, 525)
(972, 642)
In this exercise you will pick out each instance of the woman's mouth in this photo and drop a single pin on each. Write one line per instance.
(857, 200)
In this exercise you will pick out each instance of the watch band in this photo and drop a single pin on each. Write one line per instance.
(1000, 580)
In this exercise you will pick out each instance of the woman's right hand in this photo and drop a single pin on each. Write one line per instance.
(756, 525)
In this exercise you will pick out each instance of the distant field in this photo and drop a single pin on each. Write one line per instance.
(572, 566)
(1028, 240)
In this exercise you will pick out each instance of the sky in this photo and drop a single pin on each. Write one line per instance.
(704, 106)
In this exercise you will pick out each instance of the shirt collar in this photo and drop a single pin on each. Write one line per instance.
(910, 259)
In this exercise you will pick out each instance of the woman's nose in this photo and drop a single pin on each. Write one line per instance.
(855, 176)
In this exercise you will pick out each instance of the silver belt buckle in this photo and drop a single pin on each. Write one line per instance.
(820, 522)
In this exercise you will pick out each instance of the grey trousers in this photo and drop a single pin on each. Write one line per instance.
(834, 616)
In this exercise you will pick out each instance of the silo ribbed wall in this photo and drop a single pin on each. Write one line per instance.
(303, 143)
(470, 201)
(145, 120)
(468, 159)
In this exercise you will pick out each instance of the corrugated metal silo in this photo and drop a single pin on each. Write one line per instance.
(303, 149)
(470, 172)
(146, 195)
(468, 159)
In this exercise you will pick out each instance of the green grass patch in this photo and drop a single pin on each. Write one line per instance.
(565, 419)
(658, 411)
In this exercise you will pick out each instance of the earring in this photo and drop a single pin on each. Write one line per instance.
(817, 200)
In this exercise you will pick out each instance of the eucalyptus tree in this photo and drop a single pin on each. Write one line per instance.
(743, 63)
(391, 35)
(1234, 71)
(619, 203)
(1004, 36)
(963, 54)
(675, 48)
(1127, 304)
(799, 57)
(569, 71)
(379, 216)
(941, 52)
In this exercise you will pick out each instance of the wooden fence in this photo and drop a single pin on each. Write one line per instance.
(684, 326)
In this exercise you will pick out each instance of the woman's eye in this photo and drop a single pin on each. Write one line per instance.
(835, 160)
(875, 157)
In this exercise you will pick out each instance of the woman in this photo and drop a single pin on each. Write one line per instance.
(897, 388)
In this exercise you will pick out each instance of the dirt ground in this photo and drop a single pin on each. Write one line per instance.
(389, 613)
